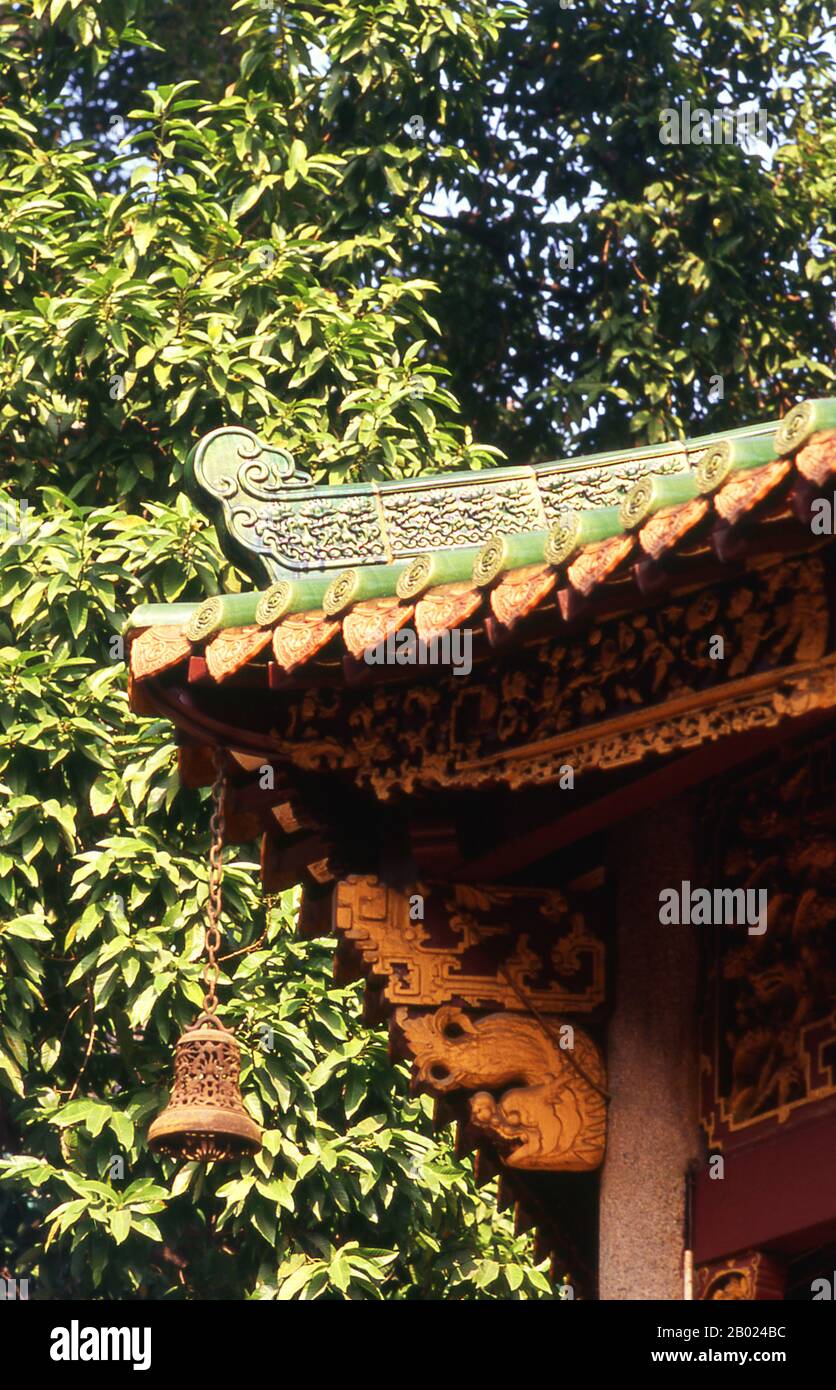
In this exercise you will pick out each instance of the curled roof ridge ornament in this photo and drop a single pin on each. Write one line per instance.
(276, 523)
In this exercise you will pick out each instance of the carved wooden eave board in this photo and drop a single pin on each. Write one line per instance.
(600, 696)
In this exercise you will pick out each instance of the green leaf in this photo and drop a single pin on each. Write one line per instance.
(102, 797)
(297, 159)
(123, 1127)
(147, 1227)
(120, 1225)
(30, 928)
(246, 200)
(10, 1069)
(96, 1118)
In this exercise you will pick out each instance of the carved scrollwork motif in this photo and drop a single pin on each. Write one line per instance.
(479, 944)
(246, 478)
(601, 486)
(429, 519)
(315, 532)
(156, 649)
(233, 460)
(232, 648)
(749, 1277)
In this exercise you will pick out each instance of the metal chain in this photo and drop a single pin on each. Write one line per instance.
(547, 1028)
(217, 825)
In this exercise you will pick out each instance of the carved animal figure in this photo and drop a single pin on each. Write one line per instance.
(551, 1119)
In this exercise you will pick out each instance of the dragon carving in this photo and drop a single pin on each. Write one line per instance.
(551, 1118)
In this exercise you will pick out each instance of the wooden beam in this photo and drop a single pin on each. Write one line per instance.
(518, 852)
(755, 1205)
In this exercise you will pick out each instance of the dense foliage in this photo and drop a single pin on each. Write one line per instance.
(214, 213)
(689, 261)
(218, 266)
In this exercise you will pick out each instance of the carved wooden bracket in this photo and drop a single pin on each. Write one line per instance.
(476, 945)
(556, 1121)
(524, 954)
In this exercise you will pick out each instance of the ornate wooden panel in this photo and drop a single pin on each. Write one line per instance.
(770, 1031)
(749, 1276)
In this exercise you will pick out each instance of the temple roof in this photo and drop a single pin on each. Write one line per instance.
(351, 565)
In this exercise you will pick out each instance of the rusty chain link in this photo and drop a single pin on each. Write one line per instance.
(548, 1029)
(548, 1026)
(217, 825)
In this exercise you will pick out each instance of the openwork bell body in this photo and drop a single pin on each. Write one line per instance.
(205, 1117)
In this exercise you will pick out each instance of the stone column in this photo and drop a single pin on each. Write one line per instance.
(653, 1063)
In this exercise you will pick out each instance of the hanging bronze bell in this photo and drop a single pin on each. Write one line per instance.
(205, 1117)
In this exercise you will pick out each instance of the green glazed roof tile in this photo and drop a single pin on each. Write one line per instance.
(342, 539)
(276, 524)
